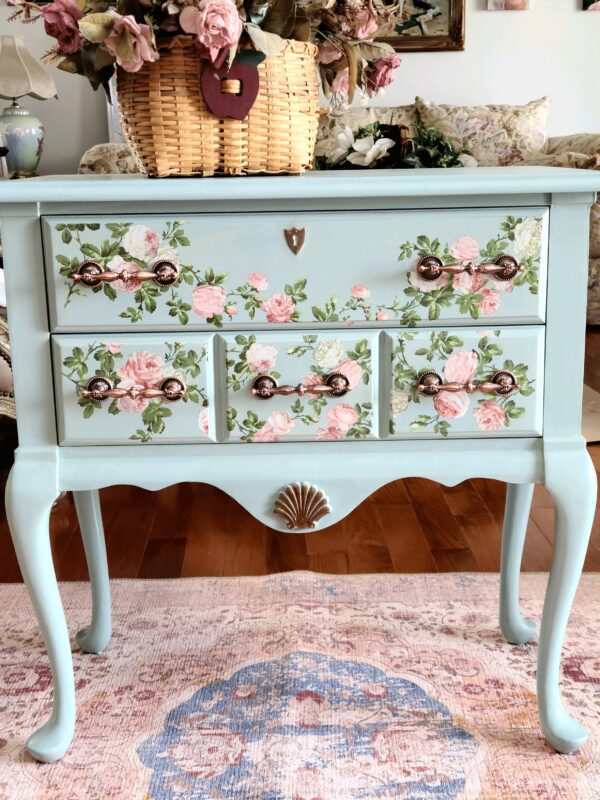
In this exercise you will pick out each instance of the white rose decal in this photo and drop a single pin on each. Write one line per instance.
(141, 242)
(528, 238)
(328, 354)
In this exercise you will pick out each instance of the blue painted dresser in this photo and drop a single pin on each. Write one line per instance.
(299, 342)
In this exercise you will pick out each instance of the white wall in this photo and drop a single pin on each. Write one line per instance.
(510, 57)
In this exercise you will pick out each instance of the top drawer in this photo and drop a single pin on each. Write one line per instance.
(256, 270)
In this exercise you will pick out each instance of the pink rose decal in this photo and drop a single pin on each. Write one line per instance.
(203, 420)
(118, 264)
(312, 380)
(360, 292)
(490, 416)
(465, 283)
(143, 369)
(460, 367)
(489, 303)
(465, 248)
(279, 308)
(60, 22)
(231, 310)
(128, 403)
(208, 300)
(216, 23)
(383, 72)
(140, 37)
(342, 416)
(258, 281)
(280, 422)
(452, 405)
(350, 369)
(329, 434)
(141, 242)
(114, 347)
(261, 357)
(265, 434)
(381, 315)
(427, 286)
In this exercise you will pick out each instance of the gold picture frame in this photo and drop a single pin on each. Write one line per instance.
(429, 25)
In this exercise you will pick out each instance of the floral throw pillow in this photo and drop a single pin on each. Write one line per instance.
(494, 135)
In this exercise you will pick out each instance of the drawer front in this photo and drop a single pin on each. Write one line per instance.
(137, 368)
(253, 270)
(473, 362)
(305, 361)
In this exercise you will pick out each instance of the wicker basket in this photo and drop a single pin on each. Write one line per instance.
(172, 131)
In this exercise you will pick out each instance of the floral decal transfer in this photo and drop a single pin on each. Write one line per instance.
(318, 417)
(455, 363)
(141, 369)
(210, 296)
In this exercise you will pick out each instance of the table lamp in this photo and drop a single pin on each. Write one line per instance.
(22, 133)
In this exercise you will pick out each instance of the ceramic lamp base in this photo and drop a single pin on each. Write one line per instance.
(23, 135)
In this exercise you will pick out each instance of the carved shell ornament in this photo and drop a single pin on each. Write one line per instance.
(301, 505)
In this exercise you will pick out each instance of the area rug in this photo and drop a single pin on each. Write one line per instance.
(301, 687)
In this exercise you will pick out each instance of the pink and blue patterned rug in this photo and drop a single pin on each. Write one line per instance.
(301, 687)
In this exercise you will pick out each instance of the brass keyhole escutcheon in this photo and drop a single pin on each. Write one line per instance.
(295, 238)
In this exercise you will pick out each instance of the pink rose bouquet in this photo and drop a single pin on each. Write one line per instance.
(94, 37)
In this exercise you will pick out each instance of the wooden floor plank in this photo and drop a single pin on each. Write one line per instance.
(431, 508)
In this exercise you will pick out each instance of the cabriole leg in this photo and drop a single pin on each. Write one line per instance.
(515, 627)
(572, 482)
(30, 493)
(94, 638)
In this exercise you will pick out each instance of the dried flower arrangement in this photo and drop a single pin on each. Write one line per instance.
(95, 36)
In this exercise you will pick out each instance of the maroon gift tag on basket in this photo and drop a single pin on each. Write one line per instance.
(236, 105)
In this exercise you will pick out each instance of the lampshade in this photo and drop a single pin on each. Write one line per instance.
(20, 73)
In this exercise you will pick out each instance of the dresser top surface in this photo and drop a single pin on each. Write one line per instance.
(339, 184)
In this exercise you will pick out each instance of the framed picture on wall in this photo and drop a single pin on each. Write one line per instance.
(428, 25)
(508, 5)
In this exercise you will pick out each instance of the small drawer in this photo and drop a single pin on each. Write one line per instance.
(467, 382)
(131, 389)
(299, 269)
(301, 387)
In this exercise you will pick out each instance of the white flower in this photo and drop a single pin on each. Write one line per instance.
(328, 354)
(528, 236)
(344, 141)
(467, 161)
(367, 150)
(398, 402)
(165, 253)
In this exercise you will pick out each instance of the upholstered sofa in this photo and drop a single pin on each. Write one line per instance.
(492, 135)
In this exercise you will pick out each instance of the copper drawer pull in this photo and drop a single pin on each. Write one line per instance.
(503, 268)
(91, 274)
(336, 385)
(98, 388)
(502, 382)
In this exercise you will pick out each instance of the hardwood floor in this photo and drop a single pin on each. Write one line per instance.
(407, 526)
